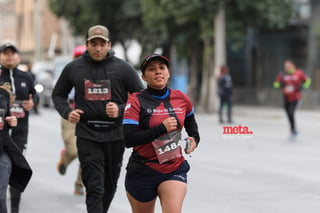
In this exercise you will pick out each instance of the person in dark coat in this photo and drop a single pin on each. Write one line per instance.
(225, 93)
(22, 88)
(14, 169)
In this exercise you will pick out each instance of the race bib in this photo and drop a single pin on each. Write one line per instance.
(99, 91)
(2, 115)
(288, 89)
(17, 110)
(168, 147)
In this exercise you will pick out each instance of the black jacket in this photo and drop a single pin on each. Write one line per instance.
(4, 108)
(21, 171)
(225, 85)
(24, 86)
(124, 79)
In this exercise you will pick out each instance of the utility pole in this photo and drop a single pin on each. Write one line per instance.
(219, 56)
(37, 31)
(313, 65)
(65, 38)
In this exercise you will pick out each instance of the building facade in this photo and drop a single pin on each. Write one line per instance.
(255, 66)
(36, 31)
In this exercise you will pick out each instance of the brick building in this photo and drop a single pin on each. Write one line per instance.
(37, 32)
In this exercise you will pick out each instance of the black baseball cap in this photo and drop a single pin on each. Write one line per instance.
(8, 45)
(153, 57)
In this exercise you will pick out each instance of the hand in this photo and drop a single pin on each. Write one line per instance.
(112, 110)
(6, 86)
(193, 145)
(28, 104)
(12, 121)
(170, 124)
(74, 115)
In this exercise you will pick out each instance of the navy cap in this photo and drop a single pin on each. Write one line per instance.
(8, 45)
(153, 57)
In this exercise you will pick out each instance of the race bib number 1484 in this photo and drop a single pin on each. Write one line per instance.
(168, 147)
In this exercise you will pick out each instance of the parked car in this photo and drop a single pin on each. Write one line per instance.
(57, 66)
(42, 72)
(46, 77)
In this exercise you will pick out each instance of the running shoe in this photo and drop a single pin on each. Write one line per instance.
(61, 167)
(293, 135)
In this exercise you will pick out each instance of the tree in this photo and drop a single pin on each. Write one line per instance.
(313, 47)
(187, 24)
(262, 14)
(183, 26)
(123, 18)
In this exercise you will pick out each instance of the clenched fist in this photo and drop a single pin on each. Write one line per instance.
(112, 110)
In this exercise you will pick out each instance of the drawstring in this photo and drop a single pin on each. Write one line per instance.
(12, 82)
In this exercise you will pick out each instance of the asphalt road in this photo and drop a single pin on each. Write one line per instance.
(262, 172)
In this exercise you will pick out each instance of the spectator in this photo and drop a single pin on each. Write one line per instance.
(225, 93)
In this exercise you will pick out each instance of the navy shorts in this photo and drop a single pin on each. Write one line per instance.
(143, 187)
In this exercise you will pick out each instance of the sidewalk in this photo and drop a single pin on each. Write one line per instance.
(269, 112)
(266, 115)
